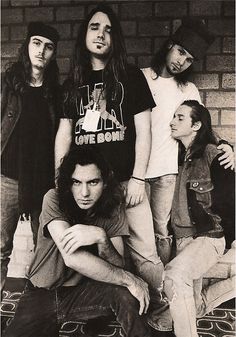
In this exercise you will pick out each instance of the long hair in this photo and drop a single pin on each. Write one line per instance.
(115, 67)
(112, 195)
(18, 74)
(205, 135)
(159, 59)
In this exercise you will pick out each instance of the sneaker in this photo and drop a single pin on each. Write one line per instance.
(161, 321)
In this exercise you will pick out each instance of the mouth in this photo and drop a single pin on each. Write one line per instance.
(39, 58)
(176, 67)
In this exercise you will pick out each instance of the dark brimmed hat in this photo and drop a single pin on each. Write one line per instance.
(193, 36)
(39, 28)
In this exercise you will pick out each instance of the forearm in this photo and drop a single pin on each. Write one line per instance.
(62, 142)
(142, 153)
(108, 252)
(97, 269)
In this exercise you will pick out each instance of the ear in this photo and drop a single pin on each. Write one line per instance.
(197, 126)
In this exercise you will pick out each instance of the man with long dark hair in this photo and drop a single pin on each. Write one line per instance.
(107, 105)
(168, 78)
(77, 269)
(29, 95)
(203, 207)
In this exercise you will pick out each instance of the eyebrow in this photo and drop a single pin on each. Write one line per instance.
(96, 24)
(89, 181)
(47, 43)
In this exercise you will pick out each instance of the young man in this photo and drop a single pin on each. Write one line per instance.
(77, 269)
(203, 206)
(107, 104)
(169, 84)
(30, 93)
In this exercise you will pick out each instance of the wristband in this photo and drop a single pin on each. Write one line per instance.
(136, 178)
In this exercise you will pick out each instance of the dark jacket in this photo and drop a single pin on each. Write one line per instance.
(210, 195)
(11, 108)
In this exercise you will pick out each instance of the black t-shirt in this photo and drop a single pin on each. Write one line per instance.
(115, 132)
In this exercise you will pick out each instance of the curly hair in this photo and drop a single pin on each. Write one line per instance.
(81, 67)
(112, 196)
(19, 74)
(159, 59)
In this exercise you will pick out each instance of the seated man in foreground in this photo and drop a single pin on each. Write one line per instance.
(77, 270)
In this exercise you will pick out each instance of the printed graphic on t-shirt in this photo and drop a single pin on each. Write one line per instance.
(98, 122)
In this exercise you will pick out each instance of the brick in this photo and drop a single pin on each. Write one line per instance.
(214, 116)
(10, 49)
(144, 61)
(5, 3)
(176, 24)
(55, 2)
(138, 45)
(4, 33)
(11, 16)
(212, 8)
(131, 60)
(64, 65)
(18, 32)
(114, 7)
(220, 63)
(65, 48)
(220, 99)
(129, 28)
(202, 96)
(228, 81)
(136, 10)
(227, 133)
(215, 48)
(39, 14)
(70, 13)
(75, 29)
(173, 8)
(227, 117)
(158, 42)
(64, 30)
(206, 81)
(229, 8)
(4, 64)
(229, 45)
(222, 27)
(154, 28)
(20, 3)
(198, 66)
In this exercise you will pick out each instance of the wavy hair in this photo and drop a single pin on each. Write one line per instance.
(205, 135)
(116, 64)
(112, 196)
(159, 59)
(18, 74)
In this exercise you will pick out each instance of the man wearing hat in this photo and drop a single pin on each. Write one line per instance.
(30, 92)
(168, 80)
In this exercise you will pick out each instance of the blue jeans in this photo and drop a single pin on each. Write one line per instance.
(183, 283)
(160, 191)
(41, 312)
(9, 220)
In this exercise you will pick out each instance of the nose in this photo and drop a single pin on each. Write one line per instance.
(172, 122)
(85, 190)
(101, 33)
(182, 60)
(42, 50)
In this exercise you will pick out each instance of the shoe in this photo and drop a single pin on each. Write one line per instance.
(161, 321)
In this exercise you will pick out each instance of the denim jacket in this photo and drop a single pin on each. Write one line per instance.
(11, 109)
(210, 193)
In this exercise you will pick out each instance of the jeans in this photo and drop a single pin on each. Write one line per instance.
(161, 191)
(142, 248)
(183, 283)
(41, 312)
(9, 219)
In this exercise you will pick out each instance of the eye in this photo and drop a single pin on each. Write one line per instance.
(108, 30)
(189, 60)
(36, 43)
(50, 47)
(93, 182)
(75, 182)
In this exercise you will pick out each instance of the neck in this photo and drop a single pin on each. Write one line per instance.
(36, 77)
(165, 73)
(98, 64)
(187, 141)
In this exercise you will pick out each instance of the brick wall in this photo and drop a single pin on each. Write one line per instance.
(146, 24)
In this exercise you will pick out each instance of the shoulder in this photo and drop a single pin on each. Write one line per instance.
(211, 152)
(51, 197)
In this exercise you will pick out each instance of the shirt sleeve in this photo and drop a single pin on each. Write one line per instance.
(140, 94)
(117, 224)
(193, 93)
(50, 211)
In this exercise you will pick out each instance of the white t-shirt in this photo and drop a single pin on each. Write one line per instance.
(168, 96)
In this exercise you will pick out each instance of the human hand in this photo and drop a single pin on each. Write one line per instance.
(227, 159)
(81, 235)
(139, 289)
(135, 192)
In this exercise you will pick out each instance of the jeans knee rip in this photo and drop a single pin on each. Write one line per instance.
(170, 290)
